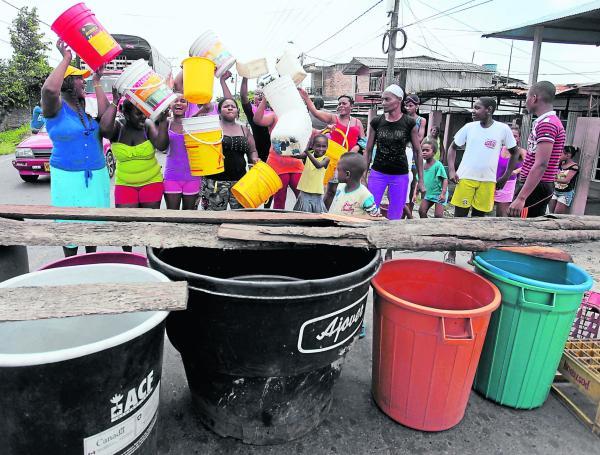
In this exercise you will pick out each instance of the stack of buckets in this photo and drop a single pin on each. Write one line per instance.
(294, 127)
(430, 327)
(79, 28)
(203, 142)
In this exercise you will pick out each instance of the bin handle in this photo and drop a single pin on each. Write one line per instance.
(458, 339)
(540, 306)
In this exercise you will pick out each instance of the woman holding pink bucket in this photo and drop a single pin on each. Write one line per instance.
(79, 177)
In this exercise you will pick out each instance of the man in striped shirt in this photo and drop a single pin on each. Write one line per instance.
(544, 149)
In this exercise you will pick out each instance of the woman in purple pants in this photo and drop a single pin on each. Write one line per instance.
(392, 131)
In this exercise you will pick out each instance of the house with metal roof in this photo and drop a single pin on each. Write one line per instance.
(367, 74)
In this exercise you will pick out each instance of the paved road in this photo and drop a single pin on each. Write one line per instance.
(355, 425)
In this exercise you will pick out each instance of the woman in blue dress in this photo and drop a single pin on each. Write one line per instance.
(78, 173)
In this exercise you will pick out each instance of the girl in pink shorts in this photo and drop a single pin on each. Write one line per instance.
(181, 187)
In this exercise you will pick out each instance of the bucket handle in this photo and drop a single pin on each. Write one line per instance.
(523, 301)
(337, 130)
(201, 141)
(162, 81)
(451, 325)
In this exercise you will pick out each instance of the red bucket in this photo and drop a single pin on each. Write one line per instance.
(79, 28)
(430, 320)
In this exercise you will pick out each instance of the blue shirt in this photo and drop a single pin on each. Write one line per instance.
(37, 119)
(75, 147)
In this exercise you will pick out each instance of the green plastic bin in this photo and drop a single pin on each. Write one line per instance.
(528, 332)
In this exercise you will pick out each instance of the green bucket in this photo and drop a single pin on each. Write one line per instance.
(528, 332)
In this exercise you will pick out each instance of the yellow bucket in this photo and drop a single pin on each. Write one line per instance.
(203, 142)
(334, 152)
(198, 79)
(257, 186)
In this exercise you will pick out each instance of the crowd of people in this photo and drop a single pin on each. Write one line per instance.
(395, 157)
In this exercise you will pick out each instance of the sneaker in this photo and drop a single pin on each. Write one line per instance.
(363, 332)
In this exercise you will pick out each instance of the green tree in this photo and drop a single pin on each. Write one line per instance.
(29, 62)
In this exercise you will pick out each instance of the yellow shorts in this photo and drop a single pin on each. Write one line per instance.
(471, 193)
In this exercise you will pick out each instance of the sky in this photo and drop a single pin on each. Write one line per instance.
(262, 28)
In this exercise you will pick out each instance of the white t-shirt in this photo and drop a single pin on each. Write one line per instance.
(480, 160)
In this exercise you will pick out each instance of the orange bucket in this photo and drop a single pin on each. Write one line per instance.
(257, 186)
(334, 153)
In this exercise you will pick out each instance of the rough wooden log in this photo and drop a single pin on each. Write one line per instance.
(44, 212)
(469, 234)
(43, 302)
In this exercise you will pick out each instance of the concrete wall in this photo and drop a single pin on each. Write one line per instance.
(14, 119)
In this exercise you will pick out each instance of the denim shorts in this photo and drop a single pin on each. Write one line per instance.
(564, 197)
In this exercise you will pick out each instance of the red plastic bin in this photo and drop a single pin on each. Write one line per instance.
(103, 257)
(430, 321)
(79, 28)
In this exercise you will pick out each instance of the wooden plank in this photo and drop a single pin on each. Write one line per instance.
(433, 234)
(44, 212)
(43, 302)
(160, 235)
(468, 234)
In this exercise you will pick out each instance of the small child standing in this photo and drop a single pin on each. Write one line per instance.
(436, 182)
(310, 185)
(352, 198)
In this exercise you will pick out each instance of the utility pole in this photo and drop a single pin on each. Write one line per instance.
(389, 75)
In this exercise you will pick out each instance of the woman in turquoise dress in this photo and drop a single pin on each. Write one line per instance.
(78, 173)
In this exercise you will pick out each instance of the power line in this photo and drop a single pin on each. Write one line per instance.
(506, 44)
(19, 9)
(345, 26)
(449, 12)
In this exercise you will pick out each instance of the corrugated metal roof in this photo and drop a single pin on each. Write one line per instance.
(506, 92)
(417, 63)
(579, 25)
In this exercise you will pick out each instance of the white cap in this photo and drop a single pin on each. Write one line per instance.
(395, 90)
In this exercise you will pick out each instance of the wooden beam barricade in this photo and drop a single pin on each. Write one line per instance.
(43, 302)
(267, 229)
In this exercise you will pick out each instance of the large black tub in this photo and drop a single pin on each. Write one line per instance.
(266, 332)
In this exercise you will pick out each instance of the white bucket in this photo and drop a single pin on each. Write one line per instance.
(80, 372)
(209, 45)
(200, 124)
(145, 88)
(292, 133)
(289, 65)
(252, 69)
(283, 96)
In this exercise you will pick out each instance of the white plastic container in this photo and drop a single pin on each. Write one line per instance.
(67, 383)
(209, 45)
(252, 69)
(292, 133)
(283, 96)
(145, 88)
(289, 65)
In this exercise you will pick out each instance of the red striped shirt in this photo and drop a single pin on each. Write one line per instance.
(546, 128)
